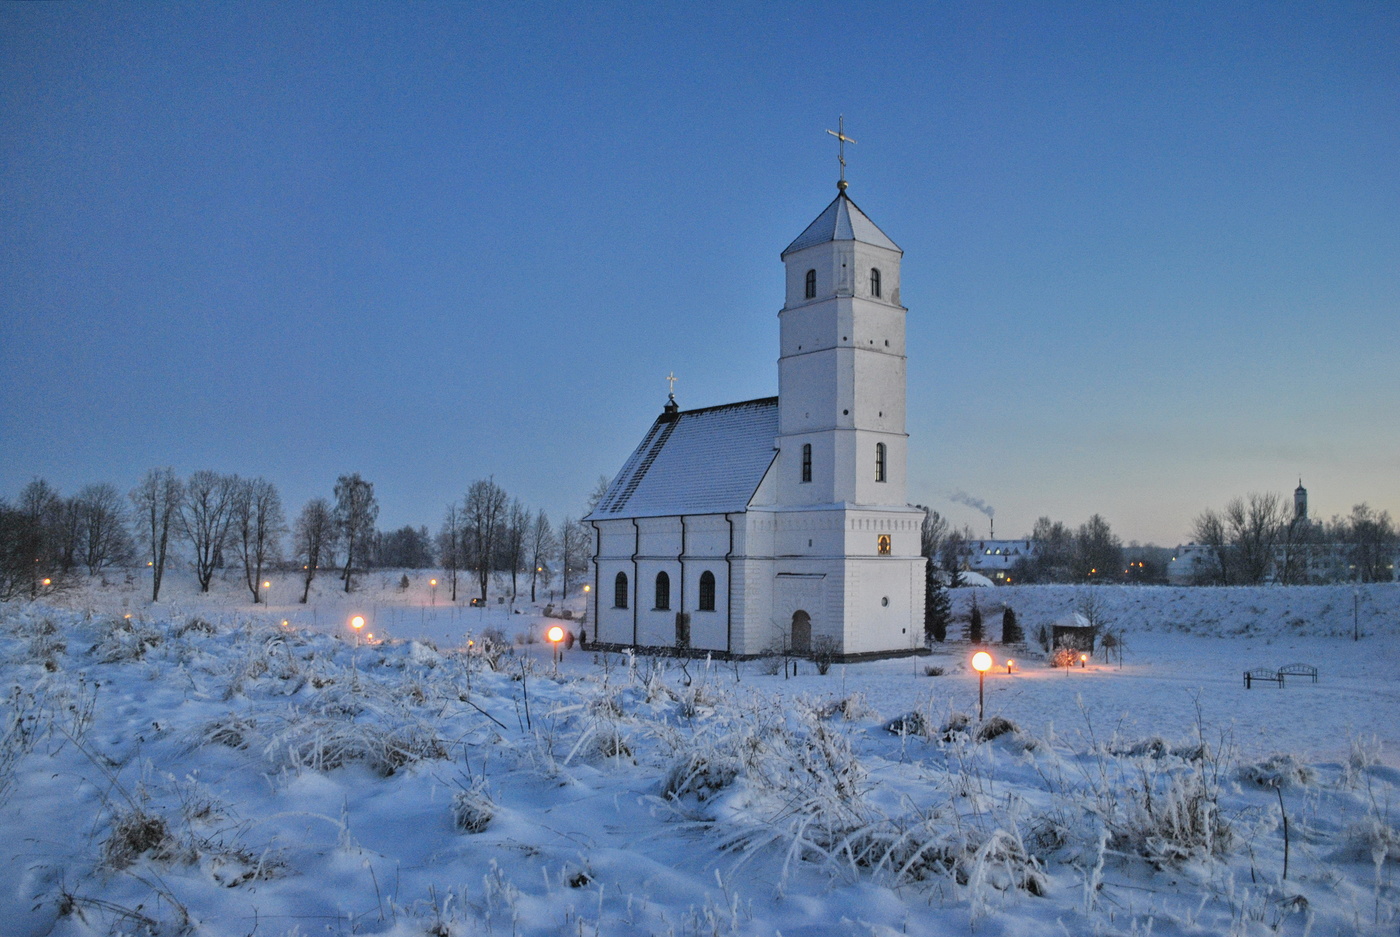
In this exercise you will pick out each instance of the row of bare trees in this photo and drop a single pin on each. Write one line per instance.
(1256, 539)
(44, 536)
(487, 532)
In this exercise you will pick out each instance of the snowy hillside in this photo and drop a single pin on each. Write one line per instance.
(211, 771)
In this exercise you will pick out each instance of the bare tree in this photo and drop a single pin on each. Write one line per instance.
(1209, 530)
(1098, 553)
(39, 535)
(1371, 542)
(1297, 546)
(104, 538)
(157, 499)
(356, 510)
(600, 488)
(313, 538)
(517, 526)
(258, 523)
(68, 532)
(205, 517)
(483, 514)
(450, 545)
(543, 546)
(931, 532)
(574, 553)
(1254, 528)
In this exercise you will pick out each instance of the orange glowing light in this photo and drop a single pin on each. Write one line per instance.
(357, 622)
(48, 582)
(555, 634)
(267, 584)
(981, 661)
(433, 583)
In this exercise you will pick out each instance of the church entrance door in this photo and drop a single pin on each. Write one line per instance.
(801, 632)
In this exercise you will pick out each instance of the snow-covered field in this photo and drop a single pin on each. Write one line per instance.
(202, 767)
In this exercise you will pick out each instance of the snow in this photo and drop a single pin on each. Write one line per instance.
(202, 767)
(707, 461)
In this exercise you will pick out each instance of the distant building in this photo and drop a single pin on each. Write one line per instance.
(997, 559)
(1302, 554)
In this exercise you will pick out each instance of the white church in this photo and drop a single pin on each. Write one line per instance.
(779, 523)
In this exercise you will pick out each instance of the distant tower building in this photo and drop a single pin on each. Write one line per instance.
(1300, 502)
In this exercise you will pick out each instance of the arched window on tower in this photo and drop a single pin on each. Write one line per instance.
(806, 461)
(707, 591)
(663, 591)
(620, 591)
(811, 284)
(879, 461)
(875, 282)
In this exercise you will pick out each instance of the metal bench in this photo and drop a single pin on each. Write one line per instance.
(1298, 670)
(1262, 674)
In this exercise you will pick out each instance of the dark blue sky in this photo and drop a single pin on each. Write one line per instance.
(1152, 251)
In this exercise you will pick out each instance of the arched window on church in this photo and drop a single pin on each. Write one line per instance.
(663, 591)
(806, 462)
(811, 284)
(875, 282)
(879, 461)
(620, 591)
(707, 591)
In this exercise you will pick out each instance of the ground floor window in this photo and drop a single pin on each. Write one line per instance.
(707, 591)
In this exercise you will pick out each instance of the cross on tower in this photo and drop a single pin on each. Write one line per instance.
(840, 134)
(671, 379)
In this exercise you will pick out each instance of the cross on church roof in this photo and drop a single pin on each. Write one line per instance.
(840, 134)
(671, 379)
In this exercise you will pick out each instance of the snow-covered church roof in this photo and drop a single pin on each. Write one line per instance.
(706, 461)
(842, 220)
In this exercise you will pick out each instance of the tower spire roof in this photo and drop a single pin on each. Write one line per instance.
(842, 220)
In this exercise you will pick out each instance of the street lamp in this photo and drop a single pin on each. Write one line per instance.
(357, 623)
(555, 635)
(1083, 660)
(981, 662)
(433, 583)
(267, 584)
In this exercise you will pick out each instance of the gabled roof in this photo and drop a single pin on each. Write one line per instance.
(842, 220)
(707, 461)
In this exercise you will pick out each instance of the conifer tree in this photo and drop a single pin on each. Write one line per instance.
(1011, 632)
(937, 607)
(974, 623)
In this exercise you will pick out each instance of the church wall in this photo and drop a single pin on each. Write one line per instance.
(871, 626)
(658, 542)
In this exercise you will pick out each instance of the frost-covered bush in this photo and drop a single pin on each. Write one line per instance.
(324, 743)
(1171, 816)
(911, 723)
(125, 639)
(137, 832)
(699, 773)
(995, 727)
(472, 808)
(1280, 770)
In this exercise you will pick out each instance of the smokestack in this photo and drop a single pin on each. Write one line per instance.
(992, 526)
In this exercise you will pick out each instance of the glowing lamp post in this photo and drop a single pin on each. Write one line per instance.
(555, 634)
(267, 584)
(358, 623)
(1083, 661)
(981, 662)
(1009, 664)
(433, 583)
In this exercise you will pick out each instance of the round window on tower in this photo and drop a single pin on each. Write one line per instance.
(885, 602)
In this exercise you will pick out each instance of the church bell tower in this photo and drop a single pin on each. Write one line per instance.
(841, 370)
